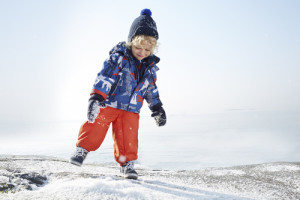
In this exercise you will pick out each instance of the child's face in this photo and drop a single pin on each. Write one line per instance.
(141, 52)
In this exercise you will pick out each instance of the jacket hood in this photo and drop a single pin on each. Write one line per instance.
(123, 50)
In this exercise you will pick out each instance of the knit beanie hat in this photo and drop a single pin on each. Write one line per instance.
(143, 25)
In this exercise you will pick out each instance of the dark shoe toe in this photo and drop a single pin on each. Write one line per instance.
(75, 161)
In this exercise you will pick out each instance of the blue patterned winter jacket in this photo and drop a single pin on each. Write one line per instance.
(125, 81)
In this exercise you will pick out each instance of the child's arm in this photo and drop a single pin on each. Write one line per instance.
(152, 97)
(108, 75)
(105, 79)
(155, 104)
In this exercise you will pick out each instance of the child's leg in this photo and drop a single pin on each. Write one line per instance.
(91, 135)
(125, 135)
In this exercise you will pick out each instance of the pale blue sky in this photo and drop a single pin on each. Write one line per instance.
(216, 56)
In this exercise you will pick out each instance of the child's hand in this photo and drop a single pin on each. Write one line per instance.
(96, 102)
(160, 116)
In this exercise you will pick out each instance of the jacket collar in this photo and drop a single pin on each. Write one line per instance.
(123, 50)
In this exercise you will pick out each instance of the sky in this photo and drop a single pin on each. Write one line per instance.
(216, 56)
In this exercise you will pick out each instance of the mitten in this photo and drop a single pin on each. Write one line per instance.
(159, 115)
(96, 102)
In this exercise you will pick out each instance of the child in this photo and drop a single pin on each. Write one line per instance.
(127, 78)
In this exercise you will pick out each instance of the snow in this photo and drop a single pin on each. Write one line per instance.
(3, 179)
(223, 172)
(103, 181)
(278, 168)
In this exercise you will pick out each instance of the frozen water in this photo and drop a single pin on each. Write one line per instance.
(186, 142)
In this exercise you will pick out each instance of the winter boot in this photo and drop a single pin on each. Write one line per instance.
(128, 170)
(79, 156)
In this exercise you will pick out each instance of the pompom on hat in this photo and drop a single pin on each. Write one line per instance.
(143, 25)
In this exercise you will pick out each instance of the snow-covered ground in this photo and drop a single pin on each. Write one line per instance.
(61, 180)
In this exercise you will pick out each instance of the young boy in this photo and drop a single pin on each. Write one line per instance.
(127, 78)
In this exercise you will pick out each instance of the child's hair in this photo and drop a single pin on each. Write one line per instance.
(141, 40)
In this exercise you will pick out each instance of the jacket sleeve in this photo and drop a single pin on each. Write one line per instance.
(108, 75)
(152, 95)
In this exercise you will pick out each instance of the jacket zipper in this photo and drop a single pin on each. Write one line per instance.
(148, 67)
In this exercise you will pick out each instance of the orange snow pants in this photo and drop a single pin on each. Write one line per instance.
(125, 127)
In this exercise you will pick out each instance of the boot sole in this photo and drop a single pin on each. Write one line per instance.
(131, 176)
(75, 163)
